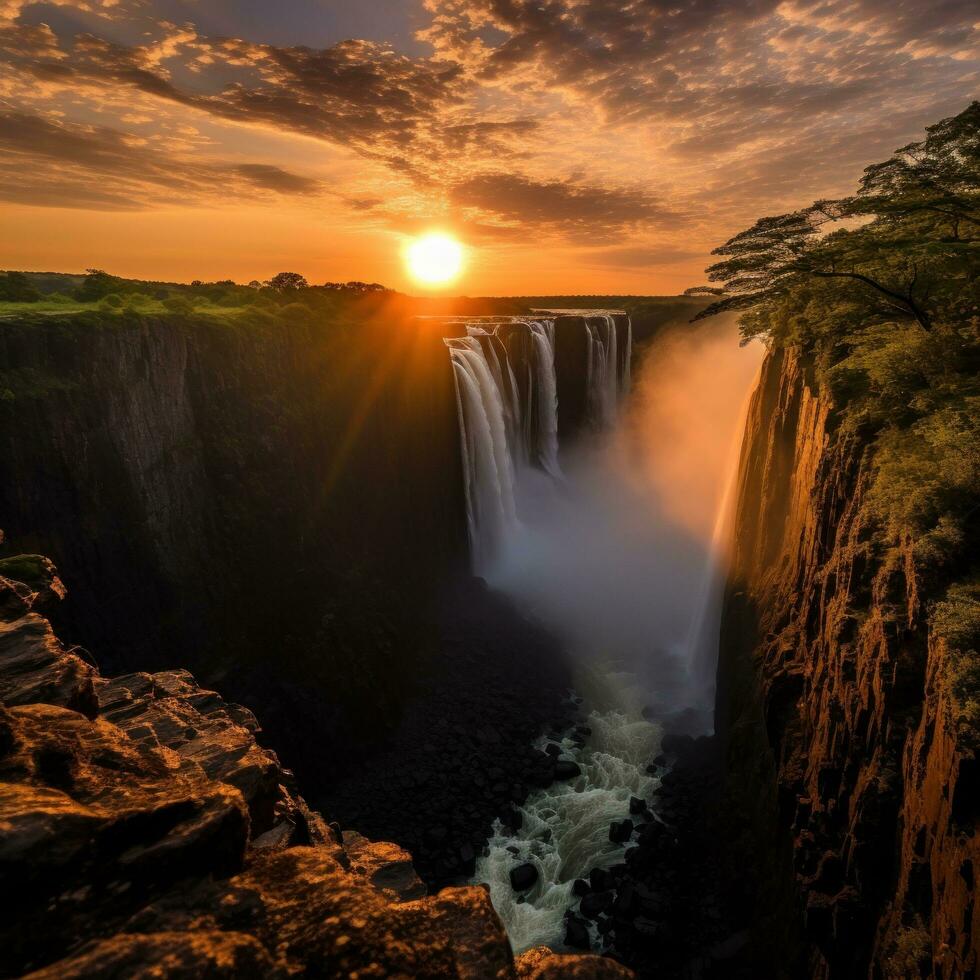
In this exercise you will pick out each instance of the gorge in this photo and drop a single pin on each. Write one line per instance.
(347, 634)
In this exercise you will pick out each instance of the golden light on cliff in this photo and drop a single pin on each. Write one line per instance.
(434, 259)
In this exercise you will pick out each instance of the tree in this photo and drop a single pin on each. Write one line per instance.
(96, 285)
(15, 287)
(284, 282)
(897, 258)
(939, 175)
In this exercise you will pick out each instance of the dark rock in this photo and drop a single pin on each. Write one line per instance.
(600, 879)
(566, 769)
(523, 877)
(637, 805)
(620, 831)
(576, 933)
(596, 903)
(580, 887)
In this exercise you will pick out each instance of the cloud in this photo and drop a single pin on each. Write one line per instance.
(640, 256)
(722, 107)
(51, 163)
(576, 209)
(276, 179)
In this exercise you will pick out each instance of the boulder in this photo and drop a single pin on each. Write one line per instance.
(577, 933)
(596, 903)
(542, 963)
(620, 831)
(566, 769)
(523, 877)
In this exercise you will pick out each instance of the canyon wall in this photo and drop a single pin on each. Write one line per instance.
(853, 788)
(266, 504)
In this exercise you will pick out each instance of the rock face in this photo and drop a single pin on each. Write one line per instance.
(223, 490)
(279, 511)
(144, 832)
(857, 799)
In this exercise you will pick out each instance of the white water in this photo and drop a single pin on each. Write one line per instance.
(603, 383)
(624, 559)
(565, 829)
(543, 334)
(497, 431)
(488, 473)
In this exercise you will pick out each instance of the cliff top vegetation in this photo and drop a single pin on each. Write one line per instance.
(882, 289)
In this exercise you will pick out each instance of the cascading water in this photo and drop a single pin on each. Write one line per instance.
(603, 379)
(601, 557)
(488, 473)
(564, 829)
(543, 334)
(503, 435)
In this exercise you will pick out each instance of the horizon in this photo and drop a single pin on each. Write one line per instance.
(571, 148)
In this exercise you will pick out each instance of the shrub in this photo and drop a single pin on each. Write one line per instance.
(178, 304)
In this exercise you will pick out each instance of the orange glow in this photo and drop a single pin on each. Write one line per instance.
(435, 259)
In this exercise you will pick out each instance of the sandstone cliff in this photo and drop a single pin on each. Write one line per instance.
(854, 787)
(144, 832)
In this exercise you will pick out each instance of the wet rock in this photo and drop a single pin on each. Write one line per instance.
(637, 805)
(595, 904)
(620, 831)
(566, 769)
(580, 887)
(576, 933)
(600, 879)
(523, 877)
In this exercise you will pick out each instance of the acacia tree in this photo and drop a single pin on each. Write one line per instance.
(893, 258)
(285, 282)
(939, 175)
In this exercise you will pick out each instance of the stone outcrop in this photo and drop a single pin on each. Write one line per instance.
(852, 794)
(144, 832)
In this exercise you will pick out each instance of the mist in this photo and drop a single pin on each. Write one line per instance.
(624, 558)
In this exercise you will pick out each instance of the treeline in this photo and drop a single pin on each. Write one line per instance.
(882, 290)
(113, 292)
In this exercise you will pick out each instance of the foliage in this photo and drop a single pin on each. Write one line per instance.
(956, 619)
(912, 954)
(178, 304)
(284, 282)
(907, 241)
(15, 287)
(881, 291)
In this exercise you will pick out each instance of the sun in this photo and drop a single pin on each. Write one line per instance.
(434, 259)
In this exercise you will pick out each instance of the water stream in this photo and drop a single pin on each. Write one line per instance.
(600, 552)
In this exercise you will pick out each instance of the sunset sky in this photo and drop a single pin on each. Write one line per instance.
(573, 145)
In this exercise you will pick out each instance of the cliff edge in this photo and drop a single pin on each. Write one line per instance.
(145, 832)
(844, 702)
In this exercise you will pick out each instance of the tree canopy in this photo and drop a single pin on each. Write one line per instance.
(900, 245)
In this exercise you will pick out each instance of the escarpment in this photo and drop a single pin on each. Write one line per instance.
(146, 829)
(852, 774)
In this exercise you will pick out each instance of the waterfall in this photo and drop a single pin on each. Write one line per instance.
(603, 383)
(506, 429)
(543, 334)
(488, 474)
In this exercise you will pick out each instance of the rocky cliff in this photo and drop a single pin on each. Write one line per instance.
(854, 786)
(144, 832)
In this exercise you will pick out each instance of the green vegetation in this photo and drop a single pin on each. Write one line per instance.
(882, 289)
(51, 294)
